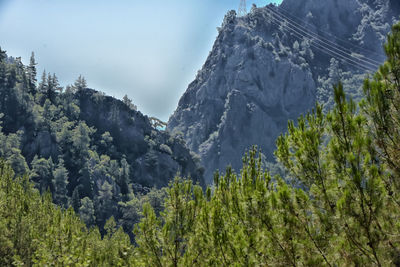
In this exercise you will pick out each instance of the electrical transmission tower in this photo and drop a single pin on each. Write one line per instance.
(242, 8)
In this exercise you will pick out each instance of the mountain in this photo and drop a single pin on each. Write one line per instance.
(93, 152)
(271, 66)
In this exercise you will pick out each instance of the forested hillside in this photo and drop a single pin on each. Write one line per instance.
(91, 151)
(341, 207)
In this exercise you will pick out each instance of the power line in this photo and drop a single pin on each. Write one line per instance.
(242, 11)
(328, 33)
(317, 42)
(336, 47)
(323, 49)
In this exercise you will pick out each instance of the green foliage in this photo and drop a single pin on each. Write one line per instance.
(35, 232)
(86, 211)
(42, 173)
(60, 183)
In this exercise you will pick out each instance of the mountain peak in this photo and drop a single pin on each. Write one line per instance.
(269, 67)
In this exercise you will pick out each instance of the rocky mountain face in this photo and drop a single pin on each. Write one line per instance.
(154, 155)
(271, 66)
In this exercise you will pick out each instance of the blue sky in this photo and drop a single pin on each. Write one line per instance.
(150, 50)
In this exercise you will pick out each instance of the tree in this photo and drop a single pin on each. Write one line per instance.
(105, 207)
(166, 244)
(85, 180)
(130, 213)
(128, 103)
(52, 86)
(34, 231)
(86, 212)
(80, 83)
(76, 200)
(123, 177)
(49, 112)
(81, 140)
(3, 55)
(60, 183)
(42, 173)
(32, 73)
(43, 83)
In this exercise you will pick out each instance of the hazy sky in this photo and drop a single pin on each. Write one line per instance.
(150, 50)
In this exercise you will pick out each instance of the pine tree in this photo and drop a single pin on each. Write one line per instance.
(3, 79)
(43, 83)
(167, 244)
(3, 55)
(32, 73)
(123, 177)
(80, 83)
(81, 140)
(34, 231)
(52, 86)
(60, 184)
(86, 211)
(42, 173)
(76, 200)
(105, 207)
(128, 102)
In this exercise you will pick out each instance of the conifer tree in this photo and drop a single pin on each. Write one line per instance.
(80, 83)
(32, 73)
(76, 200)
(104, 205)
(60, 175)
(86, 211)
(42, 173)
(123, 180)
(43, 83)
(3, 55)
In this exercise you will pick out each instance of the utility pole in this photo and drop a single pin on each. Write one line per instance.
(242, 8)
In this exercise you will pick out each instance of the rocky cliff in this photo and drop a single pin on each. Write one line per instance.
(272, 65)
(154, 155)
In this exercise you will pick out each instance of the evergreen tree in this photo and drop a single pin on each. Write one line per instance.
(86, 211)
(43, 83)
(85, 180)
(131, 213)
(123, 177)
(80, 83)
(81, 140)
(76, 200)
(32, 73)
(3, 55)
(166, 244)
(104, 207)
(51, 87)
(128, 102)
(49, 112)
(42, 173)
(60, 182)
(35, 232)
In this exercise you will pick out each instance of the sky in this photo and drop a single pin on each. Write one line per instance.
(149, 50)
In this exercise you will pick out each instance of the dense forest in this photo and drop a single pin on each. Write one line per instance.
(338, 206)
(91, 151)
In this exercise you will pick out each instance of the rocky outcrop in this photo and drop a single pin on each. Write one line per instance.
(154, 155)
(260, 74)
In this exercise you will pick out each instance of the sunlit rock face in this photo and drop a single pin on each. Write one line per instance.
(264, 70)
